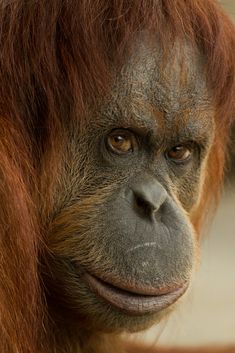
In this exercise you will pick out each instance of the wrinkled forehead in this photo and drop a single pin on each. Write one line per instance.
(173, 82)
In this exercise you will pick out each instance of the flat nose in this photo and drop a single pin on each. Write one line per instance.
(149, 195)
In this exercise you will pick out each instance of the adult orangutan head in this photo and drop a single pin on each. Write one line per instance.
(114, 125)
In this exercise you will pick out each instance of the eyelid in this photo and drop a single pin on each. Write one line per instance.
(126, 133)
(191, 145)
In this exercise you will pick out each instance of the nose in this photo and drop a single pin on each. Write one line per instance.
(148, 195)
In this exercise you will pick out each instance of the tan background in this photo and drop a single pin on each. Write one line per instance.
(207, 314)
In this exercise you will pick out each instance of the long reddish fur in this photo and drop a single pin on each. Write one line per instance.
(61, 51)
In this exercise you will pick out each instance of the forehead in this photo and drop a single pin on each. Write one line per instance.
(168, 85)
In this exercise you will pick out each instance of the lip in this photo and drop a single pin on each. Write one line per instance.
(130, 302)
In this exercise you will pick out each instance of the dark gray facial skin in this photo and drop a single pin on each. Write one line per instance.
(121, 231)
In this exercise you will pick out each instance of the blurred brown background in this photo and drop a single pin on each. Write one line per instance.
(207, 314)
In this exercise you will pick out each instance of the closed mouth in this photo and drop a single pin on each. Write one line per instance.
(130, 302)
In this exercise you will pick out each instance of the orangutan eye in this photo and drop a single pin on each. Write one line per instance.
(180, 153)
(122, 141)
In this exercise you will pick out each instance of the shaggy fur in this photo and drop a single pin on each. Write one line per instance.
(55, 60)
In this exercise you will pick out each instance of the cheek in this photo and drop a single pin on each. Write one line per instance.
(187, 189)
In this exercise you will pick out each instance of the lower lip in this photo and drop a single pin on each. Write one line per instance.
(131, 303)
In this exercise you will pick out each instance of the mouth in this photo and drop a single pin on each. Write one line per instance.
(131, 302)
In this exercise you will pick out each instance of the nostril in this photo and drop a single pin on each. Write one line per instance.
(143, 206)
(147, 198)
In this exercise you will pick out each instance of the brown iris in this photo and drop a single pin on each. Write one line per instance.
(121, 141)
(179, 153)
